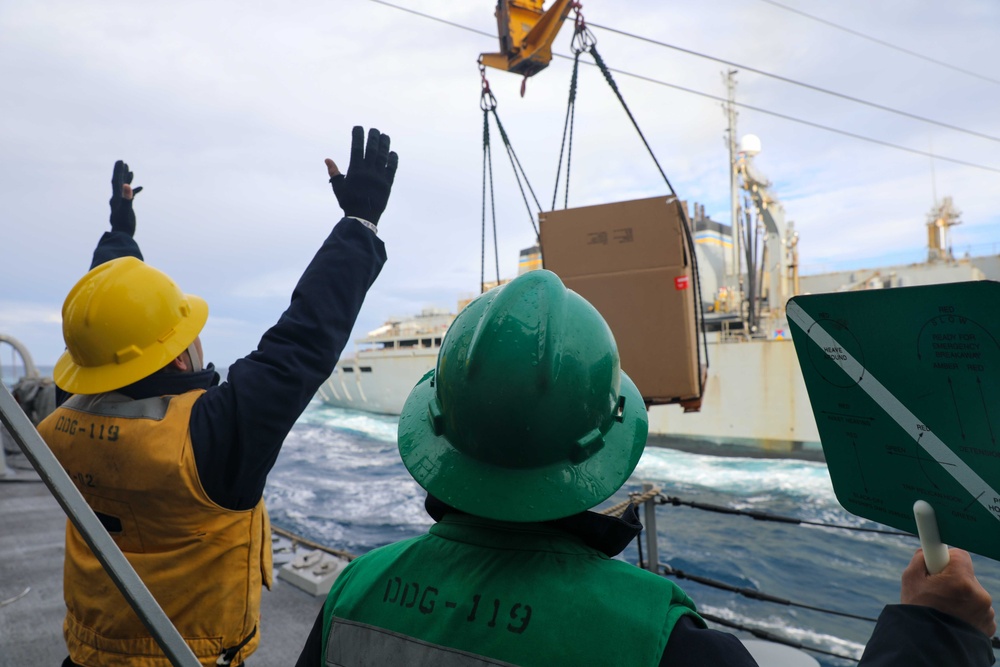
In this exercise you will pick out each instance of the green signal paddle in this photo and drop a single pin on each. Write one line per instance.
(905, 387)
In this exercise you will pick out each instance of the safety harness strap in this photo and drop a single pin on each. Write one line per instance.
(228, 654)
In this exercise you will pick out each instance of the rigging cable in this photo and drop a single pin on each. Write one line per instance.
(582, 41)
(776, 114)
(567, 127)
(794, 82)
(486, 103)
(519, 172)
(606, 71)
(908, 52)
(588, 42)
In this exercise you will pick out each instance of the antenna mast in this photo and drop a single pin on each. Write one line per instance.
(734, 276)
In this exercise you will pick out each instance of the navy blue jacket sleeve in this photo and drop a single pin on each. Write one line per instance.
(238, 427)
(114, 245)
(924, 637)
(312, 652)
(905, 635)
(692, 646)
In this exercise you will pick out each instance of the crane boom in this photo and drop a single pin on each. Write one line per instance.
(526, 34)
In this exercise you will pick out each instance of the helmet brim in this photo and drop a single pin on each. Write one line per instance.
(519, 494)
(76, 379)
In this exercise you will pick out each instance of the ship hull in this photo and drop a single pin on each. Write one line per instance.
(377, 383)
(754, 398)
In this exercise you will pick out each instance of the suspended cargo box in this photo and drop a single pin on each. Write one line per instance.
(630, 260)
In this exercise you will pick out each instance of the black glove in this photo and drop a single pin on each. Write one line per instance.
(122, 215)
(364, 191)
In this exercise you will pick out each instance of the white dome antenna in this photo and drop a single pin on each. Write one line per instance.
(750, 144)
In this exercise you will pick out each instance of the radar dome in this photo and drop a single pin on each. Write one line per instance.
(750, 144)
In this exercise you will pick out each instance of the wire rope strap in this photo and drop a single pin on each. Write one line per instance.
(488, 103)
(688, 228)
(567, 132)
(519, 173)
(585, 40)
(611, 82)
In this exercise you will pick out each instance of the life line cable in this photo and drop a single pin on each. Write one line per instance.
(639, 498)
(654, 495)
(754, 594)
(765, 516)
(772, 637)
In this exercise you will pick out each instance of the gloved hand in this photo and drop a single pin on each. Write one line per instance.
(122, 215)
(954, 590)
(364, 191)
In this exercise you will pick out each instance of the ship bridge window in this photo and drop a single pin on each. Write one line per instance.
(426, 342)
(348, 369)
(408, 343)
(437, 342)
(366, 369)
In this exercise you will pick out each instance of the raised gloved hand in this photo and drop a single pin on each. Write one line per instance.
(364, 191)
(122, 215)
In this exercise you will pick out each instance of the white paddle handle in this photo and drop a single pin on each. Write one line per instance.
(935, 553)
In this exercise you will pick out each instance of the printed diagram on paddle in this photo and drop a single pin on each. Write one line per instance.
(905, 387)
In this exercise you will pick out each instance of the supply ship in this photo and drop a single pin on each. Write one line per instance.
(754, 399)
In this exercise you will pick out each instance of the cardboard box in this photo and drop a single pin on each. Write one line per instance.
(631, 261)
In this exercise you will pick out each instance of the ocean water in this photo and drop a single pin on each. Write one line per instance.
(339, 481)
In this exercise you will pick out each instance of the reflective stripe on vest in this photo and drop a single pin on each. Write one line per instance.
(204, 564)
(352, 644)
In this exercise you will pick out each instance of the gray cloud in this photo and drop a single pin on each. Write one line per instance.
(226, 110)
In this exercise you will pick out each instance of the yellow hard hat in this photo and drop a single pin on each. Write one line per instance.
(122, 321)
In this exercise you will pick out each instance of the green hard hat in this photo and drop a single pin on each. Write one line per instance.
(527, 416)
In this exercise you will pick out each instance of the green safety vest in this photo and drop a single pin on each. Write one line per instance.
(480, 592)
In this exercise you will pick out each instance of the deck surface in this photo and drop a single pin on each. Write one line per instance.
(32, 528)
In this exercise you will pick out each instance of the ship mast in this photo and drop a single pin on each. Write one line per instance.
(940, 220)
(734, 274)
(764, 268)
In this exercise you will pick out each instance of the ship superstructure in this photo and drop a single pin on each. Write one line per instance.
(387, 363)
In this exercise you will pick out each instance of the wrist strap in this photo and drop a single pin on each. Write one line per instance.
(365, 223)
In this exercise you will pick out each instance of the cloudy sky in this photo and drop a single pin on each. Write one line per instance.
(225, 111)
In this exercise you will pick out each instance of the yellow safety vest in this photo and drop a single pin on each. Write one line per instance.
(204, 564)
